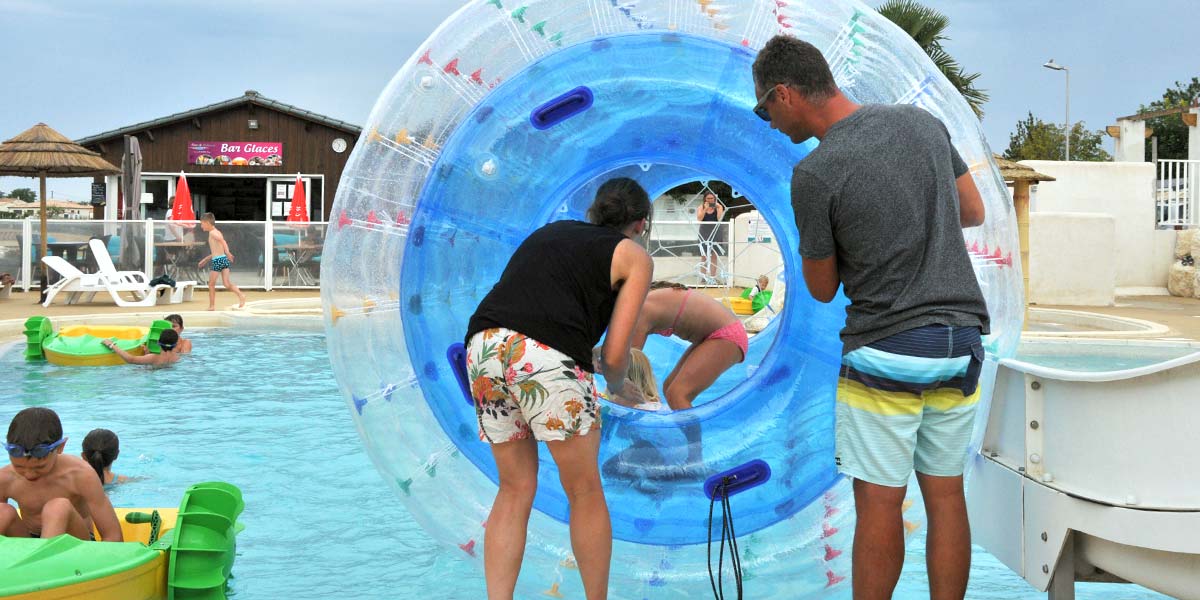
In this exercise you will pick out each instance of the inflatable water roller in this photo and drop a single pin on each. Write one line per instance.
(508, 117)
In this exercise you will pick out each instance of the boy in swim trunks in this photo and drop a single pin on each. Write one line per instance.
(57, 493)
(222, 260)
(718, 338)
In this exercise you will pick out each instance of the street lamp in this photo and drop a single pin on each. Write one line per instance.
(1050, 64)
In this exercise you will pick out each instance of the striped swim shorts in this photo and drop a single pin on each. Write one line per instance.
(908, 401)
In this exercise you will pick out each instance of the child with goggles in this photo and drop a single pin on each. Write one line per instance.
(167, 340)
(56, 493)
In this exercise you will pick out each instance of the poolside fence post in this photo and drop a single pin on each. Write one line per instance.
(26, 253)
(268, 254)
(148, 247)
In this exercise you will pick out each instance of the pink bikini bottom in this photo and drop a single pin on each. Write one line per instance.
(734, 332)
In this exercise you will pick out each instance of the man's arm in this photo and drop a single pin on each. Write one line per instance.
(811, 202)
(821, 277)
(970, 203)
(100, 507)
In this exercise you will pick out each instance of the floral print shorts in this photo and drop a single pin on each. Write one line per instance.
(522, 386)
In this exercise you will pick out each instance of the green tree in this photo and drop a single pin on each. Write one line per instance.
(928, 27)
(23, 194)
(1172, 134)
(1036, 139)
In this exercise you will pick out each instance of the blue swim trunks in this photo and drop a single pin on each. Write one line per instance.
(908, 401)
(219, 263)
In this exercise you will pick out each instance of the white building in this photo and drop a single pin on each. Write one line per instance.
(60, 209)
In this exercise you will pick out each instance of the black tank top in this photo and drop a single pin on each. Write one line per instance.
(556, 289)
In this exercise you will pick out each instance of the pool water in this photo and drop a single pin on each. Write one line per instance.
(1084, 356)
(260, 409)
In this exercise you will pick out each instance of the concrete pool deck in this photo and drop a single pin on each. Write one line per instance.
(1180, 316)
(261, 307)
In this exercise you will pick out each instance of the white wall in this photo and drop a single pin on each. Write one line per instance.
(1072, 258)
(1131, 145)
(753, 258)
(1124, 191)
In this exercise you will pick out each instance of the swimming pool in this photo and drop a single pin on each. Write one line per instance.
(260, 409)
(1091, 355)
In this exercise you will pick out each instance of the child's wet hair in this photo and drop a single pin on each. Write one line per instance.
(209, 218)
(641, 374)
(175, 318)
(168, 339)
(33, 426)
(619, 202)
(667, 285)
(100, 449)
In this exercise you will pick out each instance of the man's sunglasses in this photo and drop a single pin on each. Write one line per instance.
(38, 451)
(760, 108)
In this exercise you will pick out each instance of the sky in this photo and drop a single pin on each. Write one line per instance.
(85, 67)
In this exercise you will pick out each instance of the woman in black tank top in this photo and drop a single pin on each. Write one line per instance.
(709, 213)
(529, 348)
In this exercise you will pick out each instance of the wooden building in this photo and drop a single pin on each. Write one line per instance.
(241, 157)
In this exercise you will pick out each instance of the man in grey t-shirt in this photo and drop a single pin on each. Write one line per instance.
(880, 206)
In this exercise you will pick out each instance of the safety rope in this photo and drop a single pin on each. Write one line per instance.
(727, 532)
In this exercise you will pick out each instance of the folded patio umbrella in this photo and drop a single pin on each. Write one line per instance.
(182, 210)
(299, 210)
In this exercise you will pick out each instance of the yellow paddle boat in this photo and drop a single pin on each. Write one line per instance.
(168, 554)
(81, 345)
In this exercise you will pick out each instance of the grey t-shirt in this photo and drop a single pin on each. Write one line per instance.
(879, 192)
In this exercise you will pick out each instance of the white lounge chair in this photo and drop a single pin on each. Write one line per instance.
(182, 292)
(83, 286)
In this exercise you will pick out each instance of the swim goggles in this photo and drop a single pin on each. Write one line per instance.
(38, 451)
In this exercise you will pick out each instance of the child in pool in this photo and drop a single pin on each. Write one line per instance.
(100, 449)
(57, 493)
(185, 345)
(167, 340)
(718, 338)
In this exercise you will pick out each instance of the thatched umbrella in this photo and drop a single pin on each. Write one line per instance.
(1020, 177)
(43, 152)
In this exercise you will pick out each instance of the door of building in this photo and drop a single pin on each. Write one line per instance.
(281, 190)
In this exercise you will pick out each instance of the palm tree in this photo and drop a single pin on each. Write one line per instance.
(927, 27)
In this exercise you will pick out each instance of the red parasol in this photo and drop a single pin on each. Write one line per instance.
(182, 209)
(299, 210)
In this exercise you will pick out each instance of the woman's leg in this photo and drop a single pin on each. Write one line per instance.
(697, 369)
(504, 539)
(675, 371)
(591, 530)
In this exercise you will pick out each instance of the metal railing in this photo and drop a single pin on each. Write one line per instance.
(710, 254)
(267, 254)
(1177, 193)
